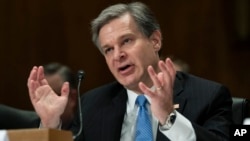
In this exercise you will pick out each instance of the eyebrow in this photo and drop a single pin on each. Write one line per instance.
(119, 39)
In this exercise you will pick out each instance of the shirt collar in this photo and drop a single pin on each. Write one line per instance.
(132, 97)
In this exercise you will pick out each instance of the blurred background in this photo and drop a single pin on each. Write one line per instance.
(211, 36)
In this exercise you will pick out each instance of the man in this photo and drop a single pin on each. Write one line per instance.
(180, 65)
(56, 74)
(181, 106)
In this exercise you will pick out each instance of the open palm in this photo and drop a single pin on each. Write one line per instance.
(48, 105)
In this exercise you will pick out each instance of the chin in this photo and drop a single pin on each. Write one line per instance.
(130, 84)
(130, 81)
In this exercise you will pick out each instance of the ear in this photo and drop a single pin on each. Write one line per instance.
(156, 40)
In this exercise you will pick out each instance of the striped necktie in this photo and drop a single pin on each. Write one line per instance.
(143, 130)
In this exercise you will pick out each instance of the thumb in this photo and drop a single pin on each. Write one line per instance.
(65, 89)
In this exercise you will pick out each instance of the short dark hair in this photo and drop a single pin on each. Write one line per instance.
(64, 71)
(143, 16)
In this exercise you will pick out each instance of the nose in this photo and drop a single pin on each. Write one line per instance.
(119, 54)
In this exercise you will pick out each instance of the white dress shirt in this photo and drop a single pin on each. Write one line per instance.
(181, 130)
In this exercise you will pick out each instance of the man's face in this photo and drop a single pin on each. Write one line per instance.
(128, 52)
(56, 82)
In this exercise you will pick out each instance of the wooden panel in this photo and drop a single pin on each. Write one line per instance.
(39, 135)
(38, 32)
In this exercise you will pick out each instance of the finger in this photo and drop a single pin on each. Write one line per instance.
(171, 69)
(33, 75)
(147, 91)
(163, 67)
(165, 72)
(154, 77)
(30, 83)
(31, 88)
(160, 77)
(65, 89)
(41, 77)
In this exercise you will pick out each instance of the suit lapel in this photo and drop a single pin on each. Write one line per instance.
(179, 100)
(113, 115)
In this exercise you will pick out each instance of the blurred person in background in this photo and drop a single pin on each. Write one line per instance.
(179, 64)
(56, 74)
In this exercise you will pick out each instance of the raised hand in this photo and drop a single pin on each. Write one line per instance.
(162, 95)
(48, 105)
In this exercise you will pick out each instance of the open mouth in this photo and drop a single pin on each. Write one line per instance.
(124, 68)
(127, 69)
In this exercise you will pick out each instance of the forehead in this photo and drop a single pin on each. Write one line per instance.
(117, 27)
(54, 78)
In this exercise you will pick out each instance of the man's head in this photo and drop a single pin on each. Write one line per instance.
(129, 37)
(142, 15)
(56, 74)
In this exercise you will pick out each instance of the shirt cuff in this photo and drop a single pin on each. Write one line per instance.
(58, 127)
(181, 129)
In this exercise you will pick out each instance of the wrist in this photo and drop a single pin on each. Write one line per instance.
(54, 125)
(169, 122)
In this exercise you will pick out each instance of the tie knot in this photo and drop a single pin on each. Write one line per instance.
(141, 100)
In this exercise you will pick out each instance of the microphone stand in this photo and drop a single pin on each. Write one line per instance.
(80, 76)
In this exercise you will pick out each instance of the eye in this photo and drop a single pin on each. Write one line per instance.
(126, 41)
(107, 50)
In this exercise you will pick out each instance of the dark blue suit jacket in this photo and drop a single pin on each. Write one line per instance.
(208, 105)
(14, 118)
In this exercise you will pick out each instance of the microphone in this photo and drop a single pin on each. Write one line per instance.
(80, 76)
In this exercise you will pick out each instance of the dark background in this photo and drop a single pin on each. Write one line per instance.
(212, 36)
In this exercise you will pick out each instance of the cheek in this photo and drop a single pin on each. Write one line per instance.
(145, 59)
(109, 64)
